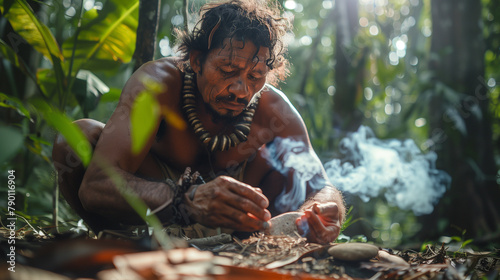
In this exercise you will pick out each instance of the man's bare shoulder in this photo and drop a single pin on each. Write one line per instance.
(164, 71)
(276, 112)
(162, 68)
(273, 99)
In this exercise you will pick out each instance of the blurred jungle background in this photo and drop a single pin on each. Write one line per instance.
(400, 98)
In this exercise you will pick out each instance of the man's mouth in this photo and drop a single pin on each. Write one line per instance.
(232, 103)
(233, 106)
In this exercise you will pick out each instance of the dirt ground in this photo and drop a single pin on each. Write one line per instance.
(72, 256)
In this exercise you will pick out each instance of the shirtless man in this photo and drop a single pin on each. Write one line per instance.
(240, 133)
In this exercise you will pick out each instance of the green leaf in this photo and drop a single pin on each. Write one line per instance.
(105, 41)
(37, 34)
(466, 243)
(88, 89)
(71, 132)
(47, 81)
(113, 95)
(14, 103)
(25, 23)
(10, 142)
(144, 118)
(8, 53)
(39, 140)
(456, 238)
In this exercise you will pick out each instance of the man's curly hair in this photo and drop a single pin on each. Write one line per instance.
(258, 21)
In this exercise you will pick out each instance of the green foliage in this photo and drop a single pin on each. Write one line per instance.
(71, 132)
(100, 38)
(106, 39)
(25, 23)
(75, 80)
(9, 54)
(88, 89)
(15, 104)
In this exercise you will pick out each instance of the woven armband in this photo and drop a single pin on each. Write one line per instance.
(175, 211)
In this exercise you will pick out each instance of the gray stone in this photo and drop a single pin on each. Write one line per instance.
(353, 251)
(284, 224)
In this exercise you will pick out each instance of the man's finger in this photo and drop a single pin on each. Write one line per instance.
(329, 209)
(242, 221)
(314, 222)
(323, 234)
(250, 193)
(248, 206)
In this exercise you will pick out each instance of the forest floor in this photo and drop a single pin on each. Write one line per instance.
(72, 256)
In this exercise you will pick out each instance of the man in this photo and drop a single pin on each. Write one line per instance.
(242, 135)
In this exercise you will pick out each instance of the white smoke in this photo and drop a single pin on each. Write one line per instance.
(398, 169)
(370, 167)
(285, 154)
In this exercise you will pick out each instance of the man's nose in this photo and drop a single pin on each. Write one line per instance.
(239, 88)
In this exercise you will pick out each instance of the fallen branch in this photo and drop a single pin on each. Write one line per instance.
(211, 240)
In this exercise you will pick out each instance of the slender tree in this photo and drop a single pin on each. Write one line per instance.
(146, 31)
(349, 62)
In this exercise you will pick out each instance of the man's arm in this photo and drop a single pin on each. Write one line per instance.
(112, 153)
(292, 155)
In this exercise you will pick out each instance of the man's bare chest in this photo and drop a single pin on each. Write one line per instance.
(182, 148)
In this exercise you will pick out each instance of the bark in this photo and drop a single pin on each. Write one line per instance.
(349, 59)
(457, 51)
(145, 45)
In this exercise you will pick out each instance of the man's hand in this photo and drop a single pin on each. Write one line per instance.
(227, 202)
(320, 223)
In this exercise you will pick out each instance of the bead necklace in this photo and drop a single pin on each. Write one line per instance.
(221, 142)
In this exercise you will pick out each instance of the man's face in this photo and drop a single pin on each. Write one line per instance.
(231, 76)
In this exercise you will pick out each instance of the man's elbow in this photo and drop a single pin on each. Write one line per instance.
(87, 196)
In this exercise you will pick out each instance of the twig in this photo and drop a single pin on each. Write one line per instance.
(415, 276)
(185, 14)
(376, 276)
(55, 206)
(211, 240)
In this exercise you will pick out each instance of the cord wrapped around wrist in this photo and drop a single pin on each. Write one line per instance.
(175, 212)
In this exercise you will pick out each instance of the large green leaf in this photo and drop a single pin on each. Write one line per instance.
(37, 34)
(106, 40)
(71, 132)
(144, 118)
(26, 24)
(146, 111)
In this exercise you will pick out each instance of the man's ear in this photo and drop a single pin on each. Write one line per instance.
(195, 61)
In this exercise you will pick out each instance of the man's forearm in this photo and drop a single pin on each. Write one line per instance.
(103, 194)
(327, 194)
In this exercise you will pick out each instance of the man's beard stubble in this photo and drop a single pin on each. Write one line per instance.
(227, 118)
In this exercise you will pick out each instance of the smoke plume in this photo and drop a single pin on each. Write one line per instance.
(397, 169)
(369, 167)
(288, 155)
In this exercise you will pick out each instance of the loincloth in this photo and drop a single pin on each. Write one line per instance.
(196, 230)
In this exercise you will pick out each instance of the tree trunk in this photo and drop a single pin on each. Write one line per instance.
(462, 130)
(145, 45)
(349, 64)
